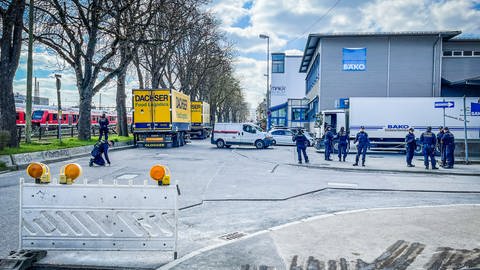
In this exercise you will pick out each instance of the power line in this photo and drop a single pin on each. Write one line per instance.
(313, 24)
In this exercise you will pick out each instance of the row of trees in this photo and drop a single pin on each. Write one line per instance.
(173, 43)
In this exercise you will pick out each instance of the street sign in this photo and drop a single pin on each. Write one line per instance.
(475, 109)
(444, 104)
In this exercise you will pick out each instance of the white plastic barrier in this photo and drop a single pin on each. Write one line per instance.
(100, 216)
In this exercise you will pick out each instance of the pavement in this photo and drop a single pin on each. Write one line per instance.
(430, 237)
(386, 162)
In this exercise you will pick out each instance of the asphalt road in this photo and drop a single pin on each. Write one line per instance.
(244, 190)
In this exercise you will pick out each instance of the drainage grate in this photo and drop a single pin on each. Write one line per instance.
(232, 236)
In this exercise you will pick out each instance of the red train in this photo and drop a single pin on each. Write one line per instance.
(47, 117)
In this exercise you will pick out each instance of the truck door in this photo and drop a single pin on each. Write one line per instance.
(143, 112)
(330, 120)
(248, 134)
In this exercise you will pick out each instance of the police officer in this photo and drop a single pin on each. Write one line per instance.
(449, 144)
(328, 141)
(101, 147)
(428, 141)
(301, 142)
(410, 145)
(441, 146)
(363, 143)
(343, 141)
(103, 122)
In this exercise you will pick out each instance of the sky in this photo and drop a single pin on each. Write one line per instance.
(288, 23)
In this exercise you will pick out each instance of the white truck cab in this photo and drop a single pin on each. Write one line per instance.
(228, 134)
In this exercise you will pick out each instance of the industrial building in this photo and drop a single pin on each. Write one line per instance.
(391, 64)
(288, 105)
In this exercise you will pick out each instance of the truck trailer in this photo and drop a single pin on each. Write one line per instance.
(387, 120)
(201, 127)
(161, 117)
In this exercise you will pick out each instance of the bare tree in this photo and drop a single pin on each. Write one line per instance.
(81, 33)
(10, 43)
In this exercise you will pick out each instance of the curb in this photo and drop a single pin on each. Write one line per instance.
(21, 161)
(430, 172)
(278, 227)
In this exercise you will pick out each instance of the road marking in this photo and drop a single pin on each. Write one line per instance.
(342, 184)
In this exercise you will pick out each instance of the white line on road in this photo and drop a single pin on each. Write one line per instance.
(342, 184)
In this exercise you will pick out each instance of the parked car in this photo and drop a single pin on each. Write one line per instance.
(283, 136)
(228, 134)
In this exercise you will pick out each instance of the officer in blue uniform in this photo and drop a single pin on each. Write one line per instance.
(363, 143)
(342, 137)
(410, 145)
(101, 147)
(301, 142)
(103, 122)
(328, 141)
(441, 146)
(449, 143)
(429, 141)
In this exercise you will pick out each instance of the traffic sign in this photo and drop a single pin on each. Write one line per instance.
(444, 104)
(475, 109)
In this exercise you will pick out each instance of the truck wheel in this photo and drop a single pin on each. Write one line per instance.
(182, 139)
(419, 149)
(220, 143)
(259, 144)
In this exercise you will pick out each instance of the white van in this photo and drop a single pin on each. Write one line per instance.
(228, 134)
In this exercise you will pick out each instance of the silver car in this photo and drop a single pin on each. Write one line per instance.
(284, 137)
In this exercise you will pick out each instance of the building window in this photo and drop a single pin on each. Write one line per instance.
(313, 75)
(299, 114)
(278, 63)
(461, 53)
(278, 115)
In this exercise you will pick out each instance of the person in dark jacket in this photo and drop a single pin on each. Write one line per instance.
(301, 142)
(449, 143)
(343, 141)
(441, 146)
(363, 143)
(103, 123)
(101, 147)
(429, 141)
(328, 141)
(410, 145)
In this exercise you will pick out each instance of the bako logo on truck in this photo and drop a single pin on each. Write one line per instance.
(181, 103)
(397, 127)
(139, 98)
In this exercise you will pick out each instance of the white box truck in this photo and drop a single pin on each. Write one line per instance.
(387, 120)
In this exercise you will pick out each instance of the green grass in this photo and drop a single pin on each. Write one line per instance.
(53, 144)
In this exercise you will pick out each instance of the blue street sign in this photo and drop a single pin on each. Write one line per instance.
(444, 104)
(475, 109)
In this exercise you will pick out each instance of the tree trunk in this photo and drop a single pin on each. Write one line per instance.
(84, 124)
(122, 124)
(11, 43)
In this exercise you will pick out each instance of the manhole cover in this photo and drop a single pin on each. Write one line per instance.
(231, 236)
(127, 176)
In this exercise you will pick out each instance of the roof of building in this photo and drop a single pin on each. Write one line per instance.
(314, 39)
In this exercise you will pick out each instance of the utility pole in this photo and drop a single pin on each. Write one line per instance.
(28, 109)
(59, 107)
(465, 128)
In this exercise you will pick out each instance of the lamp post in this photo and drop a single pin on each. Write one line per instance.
(59, 114)
(268, 77)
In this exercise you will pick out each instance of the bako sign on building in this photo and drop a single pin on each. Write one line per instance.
(354, 59)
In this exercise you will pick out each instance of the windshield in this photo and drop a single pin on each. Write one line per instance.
(258, 128)
(37, 115)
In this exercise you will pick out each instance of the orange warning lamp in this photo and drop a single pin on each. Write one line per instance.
(70, 172)
(161, 174)
(40, 172)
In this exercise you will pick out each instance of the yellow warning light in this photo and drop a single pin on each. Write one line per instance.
(70, 172)
(40, 172)
(161, 174)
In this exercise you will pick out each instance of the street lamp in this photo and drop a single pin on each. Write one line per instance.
(262, 36)
(59, 113)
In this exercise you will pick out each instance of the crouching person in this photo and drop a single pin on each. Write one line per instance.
(99, 149)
